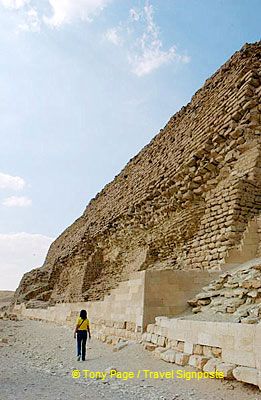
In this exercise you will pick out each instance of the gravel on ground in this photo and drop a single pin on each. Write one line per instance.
(38, 361)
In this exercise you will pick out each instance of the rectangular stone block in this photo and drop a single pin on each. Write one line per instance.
(207, 351)
(257, 347)
(245, 374)
(180, 346)
(148, 337)
(150, 328)
(181, 358)
(163, 321)
(173, 344)
(154, 338)
(131, 326)
(168, 355)
(161, 341)
(198, 349)
(216, 351)
(157, 329)
(210, 366)
(119, 324)
(163, 331)
(236, 356)
(227, 369)
(149, 346)
(198, 361)
(188, 348)
(244, 337)
(158, 351)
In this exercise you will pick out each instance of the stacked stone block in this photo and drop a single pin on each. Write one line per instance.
(208, 346)
(183, 202)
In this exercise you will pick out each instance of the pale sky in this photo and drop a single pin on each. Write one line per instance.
(84, 85)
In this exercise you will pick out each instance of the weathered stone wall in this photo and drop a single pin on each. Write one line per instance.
(131, 306)
(183, 202)
(122, 309)
(236, 294)
(234, 349)
(166, 292)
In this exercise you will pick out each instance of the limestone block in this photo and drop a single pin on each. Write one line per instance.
(244, 339)
(150, 328)
(182, 358)
(259, 380)
(210, 366)
(163, 331)
(205, 295)
(240, 292)
(188, 348)
(131, 326)
(158, 351)
(196, 310)
(226, 368)
(120, 345)
(128, 334)
(119, 324)
(210, 334)
(157, 329)
(172, 344)
(123, 333)
(197, 361)
(168, 355)
(137, 337)
(250, 320)
(198, 349)
(109, 339)
(180, 346)
(149, 346)
(204, 302)
(154, 338)
(161, 341)
(163, 321)
(144, 337)
(246, 374)
(114, 341)
(207, 351)
(257, 346)
(216, 351)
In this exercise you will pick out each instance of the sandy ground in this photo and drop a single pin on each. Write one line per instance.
(38, 360)
(6, 297)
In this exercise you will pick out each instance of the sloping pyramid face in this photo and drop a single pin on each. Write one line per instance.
(184, 202)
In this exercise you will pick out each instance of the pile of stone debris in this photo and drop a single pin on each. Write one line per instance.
(236, 293)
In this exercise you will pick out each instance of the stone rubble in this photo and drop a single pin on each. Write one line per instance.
(237, 293)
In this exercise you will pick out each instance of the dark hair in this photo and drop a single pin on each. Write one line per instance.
(83, 314)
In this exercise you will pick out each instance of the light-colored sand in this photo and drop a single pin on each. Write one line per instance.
(38, 361)
(6, 297)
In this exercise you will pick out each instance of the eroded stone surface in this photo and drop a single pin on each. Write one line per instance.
(184, 202)
(238, 293)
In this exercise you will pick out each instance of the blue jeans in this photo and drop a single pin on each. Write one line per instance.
(81, 343)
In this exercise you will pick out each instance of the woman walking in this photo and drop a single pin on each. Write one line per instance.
(81, 329)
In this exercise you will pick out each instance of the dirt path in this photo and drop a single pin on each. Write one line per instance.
(38, 360)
